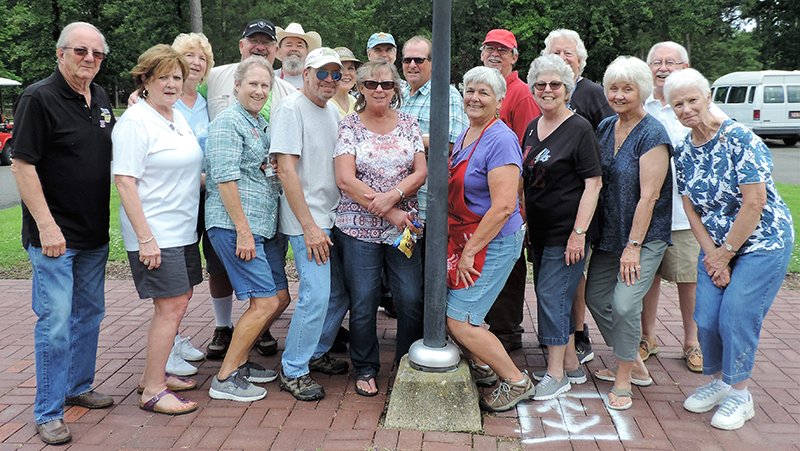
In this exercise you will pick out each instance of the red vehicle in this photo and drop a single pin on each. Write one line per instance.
(6, 141)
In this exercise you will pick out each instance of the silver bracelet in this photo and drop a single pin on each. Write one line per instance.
(152, 237)
(402, 195)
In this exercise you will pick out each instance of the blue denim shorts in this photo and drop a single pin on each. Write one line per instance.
(555, 283)
(261, 277)
(473, 303)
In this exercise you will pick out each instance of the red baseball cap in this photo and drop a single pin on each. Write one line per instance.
(501, 36)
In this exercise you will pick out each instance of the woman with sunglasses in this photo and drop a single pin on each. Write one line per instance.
(486, 231)
(380, 164)
(636, 212)
(562, 179)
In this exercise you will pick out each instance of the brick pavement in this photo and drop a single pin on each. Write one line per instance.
(346, 421)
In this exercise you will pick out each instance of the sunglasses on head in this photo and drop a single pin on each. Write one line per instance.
(554, 85)
(417, 60)
(385, 85)
(323, 74)
(83, 51)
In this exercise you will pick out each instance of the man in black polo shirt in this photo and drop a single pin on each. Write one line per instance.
(62, 167)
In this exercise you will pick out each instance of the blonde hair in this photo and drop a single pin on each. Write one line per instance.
(188, 41)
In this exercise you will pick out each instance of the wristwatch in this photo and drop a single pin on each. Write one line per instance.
(634, 243)
(728, 247)
(578, 231)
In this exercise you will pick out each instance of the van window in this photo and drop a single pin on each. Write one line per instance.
(737, 94)
(773, 94)
(793, 93)
(752, 95)
(719, 96)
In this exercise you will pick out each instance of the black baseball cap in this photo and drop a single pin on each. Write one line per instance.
(260, 26)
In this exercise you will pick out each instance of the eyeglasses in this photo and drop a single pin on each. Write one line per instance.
(373, 84)
(554, 85)
(262, 41)
(668, 63)
(565, 53)
(83, 51)
(323, 74)
(417, 60)
(501, 50)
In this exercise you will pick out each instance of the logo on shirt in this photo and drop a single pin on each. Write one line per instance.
(543, 156)
(105, 113)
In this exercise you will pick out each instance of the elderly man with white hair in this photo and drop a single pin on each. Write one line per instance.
(294, 43)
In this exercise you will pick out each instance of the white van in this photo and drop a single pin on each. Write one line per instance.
(767, 101)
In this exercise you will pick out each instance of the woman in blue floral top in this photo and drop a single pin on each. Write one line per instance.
(635, 218)
(724, 173)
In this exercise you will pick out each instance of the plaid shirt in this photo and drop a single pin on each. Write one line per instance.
(237, 146)
(419, 106)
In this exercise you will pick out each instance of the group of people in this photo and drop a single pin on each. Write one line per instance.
(328, 154)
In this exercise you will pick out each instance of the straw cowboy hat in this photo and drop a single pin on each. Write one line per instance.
(312, 38)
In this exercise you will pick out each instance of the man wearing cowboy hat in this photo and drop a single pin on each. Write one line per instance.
(293, 47)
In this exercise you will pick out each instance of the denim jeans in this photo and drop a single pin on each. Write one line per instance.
(555, 284)
(68, 297)
(729, 319)
(310, 327)
(365, 264)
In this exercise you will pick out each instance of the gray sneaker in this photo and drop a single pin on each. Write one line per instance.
(483, 377)
(508, 395)
(303, 388)
(256, 373)
(550, 388)
(576, 376)
(235, 388)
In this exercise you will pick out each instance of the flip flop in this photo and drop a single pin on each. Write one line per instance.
(365, 378)
(612, 377)
(152, 404)
(192, 384)
(620, 393)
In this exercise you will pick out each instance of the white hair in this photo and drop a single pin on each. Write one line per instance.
(67, 31)
(684, 55)
(552, 64)
(488, 76)
(683, 79)
(630, 69)
(572, 35)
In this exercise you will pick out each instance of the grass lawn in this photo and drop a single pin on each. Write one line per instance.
(14, 260)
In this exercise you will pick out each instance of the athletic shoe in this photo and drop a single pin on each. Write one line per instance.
(267, 345)
(733, 412)
(508, 395)
(186, 349)
(178, 366)
(326, 364)
(577, 376)
(303, 388)
(256, 373)
(583, 345)
(550, 388)
(707, 397)
(236, 388)
(218, 347)
(483, 376)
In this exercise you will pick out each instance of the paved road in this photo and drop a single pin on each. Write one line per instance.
(786, 170)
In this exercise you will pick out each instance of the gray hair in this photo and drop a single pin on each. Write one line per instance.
(488, 76)
(67, 31)
(684, 55)
(630, 69)
(419, 38)
(686, 78)
(573, 35)
(368, 70)
(552, 64)
(249, 62)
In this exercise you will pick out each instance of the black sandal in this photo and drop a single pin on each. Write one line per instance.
(366, 378)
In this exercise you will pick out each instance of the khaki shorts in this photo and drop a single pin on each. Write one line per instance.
(680, 260)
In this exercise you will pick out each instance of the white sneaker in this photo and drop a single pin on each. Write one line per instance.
(186, 350)
(707, 397)
(733, 413)
(178, 366)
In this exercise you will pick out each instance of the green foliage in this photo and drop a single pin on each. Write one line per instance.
(791, 195)
(777, 30)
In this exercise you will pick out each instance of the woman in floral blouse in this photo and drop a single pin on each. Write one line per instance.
(380, 164)
(724, 173)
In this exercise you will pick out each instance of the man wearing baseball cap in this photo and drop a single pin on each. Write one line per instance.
(294, 43)
(499, 51)
(382, 47)
(303, 135)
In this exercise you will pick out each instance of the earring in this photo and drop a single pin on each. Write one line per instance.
(145, 93)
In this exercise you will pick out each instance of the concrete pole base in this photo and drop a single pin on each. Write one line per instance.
(434, 401)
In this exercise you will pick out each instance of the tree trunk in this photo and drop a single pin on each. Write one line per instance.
(196, 14)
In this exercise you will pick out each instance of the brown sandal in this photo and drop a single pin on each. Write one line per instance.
(152, 404)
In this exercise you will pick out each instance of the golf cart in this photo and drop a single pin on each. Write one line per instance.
(6, 125)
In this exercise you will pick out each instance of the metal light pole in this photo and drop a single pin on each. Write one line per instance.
(434, 353)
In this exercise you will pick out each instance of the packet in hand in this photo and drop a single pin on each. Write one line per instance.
(406, 241)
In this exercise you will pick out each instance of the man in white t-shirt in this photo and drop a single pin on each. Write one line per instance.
(294, 43)
(303, 135)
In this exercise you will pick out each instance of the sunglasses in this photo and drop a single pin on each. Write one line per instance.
(417, 60)
(385, 85)
(554, 85)
(323, 74)
(83, 51)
